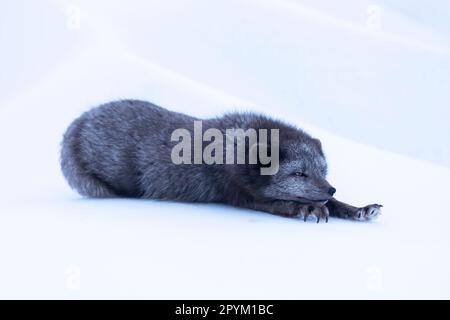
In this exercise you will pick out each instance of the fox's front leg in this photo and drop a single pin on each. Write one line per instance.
(346, 211)
(292, 209)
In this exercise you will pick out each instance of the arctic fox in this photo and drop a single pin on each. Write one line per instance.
(125, 149)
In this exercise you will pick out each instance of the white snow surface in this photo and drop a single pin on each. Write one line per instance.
(204, 58)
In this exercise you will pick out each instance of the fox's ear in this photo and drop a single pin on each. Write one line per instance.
(254, 150)
(318, 143)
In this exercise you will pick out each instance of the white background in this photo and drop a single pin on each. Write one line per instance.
(371, 79)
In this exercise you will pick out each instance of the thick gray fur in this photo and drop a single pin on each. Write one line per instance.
(123, 149)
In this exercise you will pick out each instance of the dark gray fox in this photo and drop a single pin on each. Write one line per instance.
(124, 149)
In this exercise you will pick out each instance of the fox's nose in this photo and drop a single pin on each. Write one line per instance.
(331, 191)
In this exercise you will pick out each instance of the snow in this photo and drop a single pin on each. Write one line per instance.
(364, 93)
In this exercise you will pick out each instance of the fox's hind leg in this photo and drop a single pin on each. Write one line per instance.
(346, 211)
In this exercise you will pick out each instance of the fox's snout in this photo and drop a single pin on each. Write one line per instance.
(331, 191)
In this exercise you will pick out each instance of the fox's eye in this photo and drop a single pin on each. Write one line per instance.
(300, 174)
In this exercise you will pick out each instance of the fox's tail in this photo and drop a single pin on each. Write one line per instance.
(78, 177)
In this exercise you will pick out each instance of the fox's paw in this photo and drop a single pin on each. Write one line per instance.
(368, 212)
(318, 211)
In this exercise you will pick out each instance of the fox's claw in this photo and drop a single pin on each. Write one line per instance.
(319, 211)
(368, 212)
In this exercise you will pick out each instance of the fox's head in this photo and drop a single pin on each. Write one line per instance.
(301, 174)
(298, 163)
